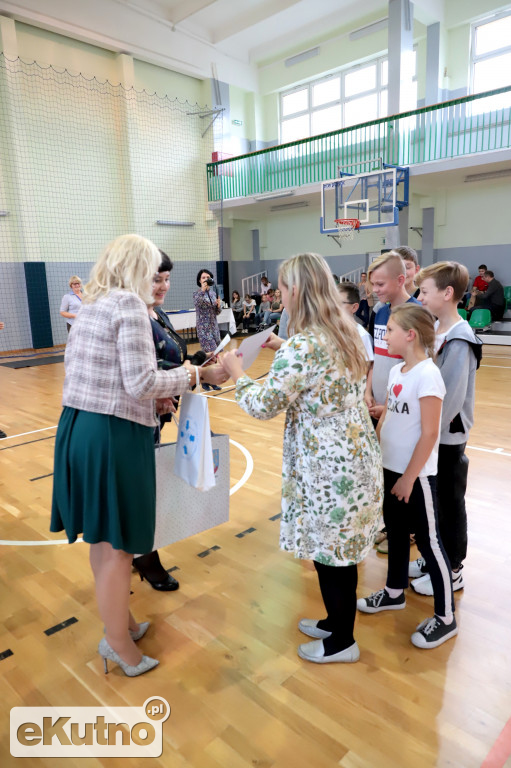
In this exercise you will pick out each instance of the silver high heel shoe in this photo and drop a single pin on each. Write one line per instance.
(107, 652)
(142, 629)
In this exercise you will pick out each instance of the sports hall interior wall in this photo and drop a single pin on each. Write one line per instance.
(86, 156)
(459, 209)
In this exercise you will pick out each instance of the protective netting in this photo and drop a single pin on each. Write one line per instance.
(82, 161)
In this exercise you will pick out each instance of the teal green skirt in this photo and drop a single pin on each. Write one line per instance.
(104, 484)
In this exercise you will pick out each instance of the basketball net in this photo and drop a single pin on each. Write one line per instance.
(346, 228)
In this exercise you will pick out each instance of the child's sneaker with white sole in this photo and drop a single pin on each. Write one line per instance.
(433, 632)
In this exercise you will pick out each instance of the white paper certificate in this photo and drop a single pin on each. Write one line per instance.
(251, 346)
(222, 344)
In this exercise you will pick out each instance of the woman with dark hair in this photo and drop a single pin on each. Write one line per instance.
(207, 307)
(237, 307)
(170, 353)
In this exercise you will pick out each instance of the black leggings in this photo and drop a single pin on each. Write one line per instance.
(419, 515)
(338, 585)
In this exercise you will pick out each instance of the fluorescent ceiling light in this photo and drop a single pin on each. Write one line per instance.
(274, 195)
(292, 60)
(369, 29)
(288, 206)
(503, 173)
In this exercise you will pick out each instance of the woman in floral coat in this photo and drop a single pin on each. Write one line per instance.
(332, 475)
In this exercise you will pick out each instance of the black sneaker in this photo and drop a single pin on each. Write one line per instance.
(2, 434)
(433, 632)
(381, 601)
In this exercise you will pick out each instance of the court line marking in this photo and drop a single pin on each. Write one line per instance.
(34, 431)
(506, 367)
(249, 468)
(495, 451)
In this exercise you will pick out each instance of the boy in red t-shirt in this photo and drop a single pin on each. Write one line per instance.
(478, 286)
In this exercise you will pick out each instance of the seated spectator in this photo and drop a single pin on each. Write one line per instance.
(480, 283)
(263, 314)
(237, 307)
(276, 308)
(479, 286)
(265, 285)
(248, 311)
(493, 298)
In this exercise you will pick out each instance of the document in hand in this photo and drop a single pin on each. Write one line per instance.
(222, 344)
(251, 347)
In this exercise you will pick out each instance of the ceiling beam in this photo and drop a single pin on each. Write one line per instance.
(429, 11)
(247, 18)
(135, 32)
(187, 9)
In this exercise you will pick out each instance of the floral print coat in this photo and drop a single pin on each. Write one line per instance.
(332, 483)
(207, 324)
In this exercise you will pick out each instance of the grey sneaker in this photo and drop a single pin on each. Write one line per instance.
(381, 601)
(433, 632)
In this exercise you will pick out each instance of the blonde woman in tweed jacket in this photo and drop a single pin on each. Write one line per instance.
(104, 474)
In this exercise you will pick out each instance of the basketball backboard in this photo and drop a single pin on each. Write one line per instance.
(369, 197)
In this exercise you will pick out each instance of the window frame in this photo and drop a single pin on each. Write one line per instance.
(477, 58)
(340, 74)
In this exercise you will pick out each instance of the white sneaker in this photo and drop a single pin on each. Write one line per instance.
(417, 568)
(310, 627)
(457, 580)
(315, 652)
(423, 585)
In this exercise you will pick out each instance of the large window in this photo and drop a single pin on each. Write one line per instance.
(491, 53)
(347, 98)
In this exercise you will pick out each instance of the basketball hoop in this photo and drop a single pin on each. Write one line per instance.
(346, 228)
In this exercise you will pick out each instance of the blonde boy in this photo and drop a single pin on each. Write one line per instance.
(387, 276)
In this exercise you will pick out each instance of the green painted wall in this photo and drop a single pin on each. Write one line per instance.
(151, 78)
(467, 207)
(458, 57)
(241, 239)
(66, 53)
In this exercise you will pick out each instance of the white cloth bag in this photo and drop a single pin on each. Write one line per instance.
(194, 452)
(183, 511)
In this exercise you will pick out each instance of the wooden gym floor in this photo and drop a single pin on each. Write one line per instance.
(227, 640)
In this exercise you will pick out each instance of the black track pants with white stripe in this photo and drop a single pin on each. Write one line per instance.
(420, 516)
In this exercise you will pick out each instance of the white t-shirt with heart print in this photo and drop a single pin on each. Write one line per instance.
(401, 429)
